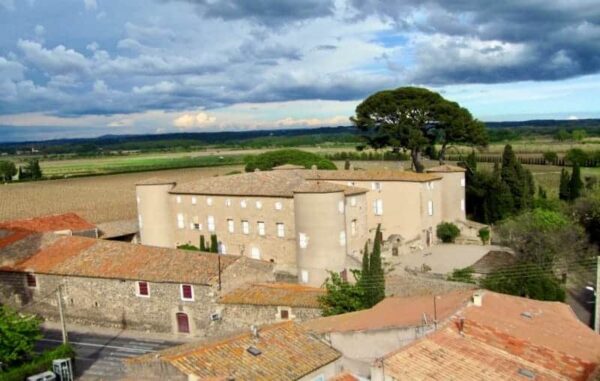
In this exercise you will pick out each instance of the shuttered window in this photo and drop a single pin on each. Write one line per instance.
(187, 292)
(143, 289)
(31, 280)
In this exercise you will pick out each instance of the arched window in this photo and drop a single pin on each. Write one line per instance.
(183, 322)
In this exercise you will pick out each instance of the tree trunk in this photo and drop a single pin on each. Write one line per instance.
(442, 155)
(415, 155)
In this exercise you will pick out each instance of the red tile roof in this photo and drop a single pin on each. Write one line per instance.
(288, 352)
(502, 337)
(53, 223)
(343, 377)
(275, 294)
(393, 312)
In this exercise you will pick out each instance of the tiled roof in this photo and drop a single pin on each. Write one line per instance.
(88, 257)
(327, 187)
(393, 312)
(288, 352)
(118, 228)
(502, 337)
(446, 168)
(372, 175)
(262, 183)
(343, 377)
(275, 294)
(67, 221)
(155, 181)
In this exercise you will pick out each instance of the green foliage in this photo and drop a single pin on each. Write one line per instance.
(18, 334)
(464, 275)
(32, 170)
(528, 281)
(587, 211)
(484, 235)
(347, 164)
(374, 287)
(414, 118)
(268, 160)
(578, 135)
(341, 296)
(518, 179)
(39, 364)
(577, 156)
(214, 244)
(564, 190)
(8, 170)
(447, 232)
(575, 183)
(188, 246)
(562, 135)
(203, 244)
(550, 157)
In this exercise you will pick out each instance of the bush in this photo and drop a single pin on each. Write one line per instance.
(188, 246)
(447, 232)
(484, 235)
(39, 364)
(462, 275)
(528, 280)
(577, 156)
(268, 160)
(550, 157)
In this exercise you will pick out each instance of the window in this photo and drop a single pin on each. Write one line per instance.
(183, 322)
(353, 201)
(261, 228)
(211, 223)
(222, 248)
(342, 238)
(209, 201)
(31, 280)
(280, 230)
(341, 206)
(353, 227)
(378, 207)
(243, 203)
(255, 253)
(194, 200)
(195, 225)
(278, 205)
(187, 292)
(143, 289)
(302, 240)
(228, 202)
(430, 207)
(245, 227)
(376, 186)
(180, 222)
(258, 204)
(284, 314)
(304, 276)
(462, 182)
(140, 224)
(179, 199)
(462, 204)
(230, 226)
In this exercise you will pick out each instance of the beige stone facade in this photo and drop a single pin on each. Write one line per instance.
(307, 222)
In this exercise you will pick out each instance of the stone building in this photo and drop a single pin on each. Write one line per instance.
(120, 284)
(307, 222)
(278, 352)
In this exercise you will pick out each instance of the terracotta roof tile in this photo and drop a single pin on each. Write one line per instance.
(372, 175)
(118, 228)
(393, 312)
(446, 168)
(288, 352)
(67, 221)
(275, 294)
(343, 377)
(327, 187)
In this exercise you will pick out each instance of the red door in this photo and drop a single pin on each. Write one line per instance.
(183, 323)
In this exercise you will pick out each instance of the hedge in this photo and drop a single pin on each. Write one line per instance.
(39, 364)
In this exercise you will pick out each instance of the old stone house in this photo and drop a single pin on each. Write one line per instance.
(120, 284)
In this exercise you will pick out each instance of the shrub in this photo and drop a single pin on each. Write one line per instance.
(447, 232)
(188, 246)
(528, 281)
(39, 364)
(577, 156)
(550, 157)
(268, 160)
(462, 275)
(484, 235)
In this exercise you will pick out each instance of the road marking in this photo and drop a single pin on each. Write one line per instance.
(102, 346)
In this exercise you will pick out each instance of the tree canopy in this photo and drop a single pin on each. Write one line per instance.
(412, 118)
(268, 160)
(18, 334)
(7, 170)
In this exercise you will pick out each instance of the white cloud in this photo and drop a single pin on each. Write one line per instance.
(58, 60)
(90, 5)
(39, 30)
(339, 120)
(199, 119)
(100, 86)
(573, 117)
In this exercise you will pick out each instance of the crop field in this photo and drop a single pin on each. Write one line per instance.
(97, 198)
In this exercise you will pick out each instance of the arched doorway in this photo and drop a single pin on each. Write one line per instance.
(183, 322)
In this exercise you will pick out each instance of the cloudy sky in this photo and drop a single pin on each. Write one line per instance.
(72, 68)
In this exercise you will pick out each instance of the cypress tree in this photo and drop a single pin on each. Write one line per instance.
(214, 244)
(519, 180)
(202, 244)
(575, 183)
(365, 276)
(564, 188)
(377, 284)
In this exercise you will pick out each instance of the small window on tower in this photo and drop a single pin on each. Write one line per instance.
(284, 314)
(187, 292)
(143, 289)
(31, 280)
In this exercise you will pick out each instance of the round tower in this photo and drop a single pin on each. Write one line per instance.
(155, 219)
(319, 213)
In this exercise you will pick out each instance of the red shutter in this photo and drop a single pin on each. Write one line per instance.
(183, 324)
(143, 288)
(31, 280)
(186, 291)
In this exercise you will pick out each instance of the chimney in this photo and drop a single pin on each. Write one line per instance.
(478, 299)
(254, 330)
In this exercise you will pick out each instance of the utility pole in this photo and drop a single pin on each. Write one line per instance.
(219, 272)
(435, 312)
(597, 292)
(62, 315)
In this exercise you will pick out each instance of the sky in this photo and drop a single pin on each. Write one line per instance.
(78, 68)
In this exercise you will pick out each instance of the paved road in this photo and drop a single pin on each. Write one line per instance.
(98, 356)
